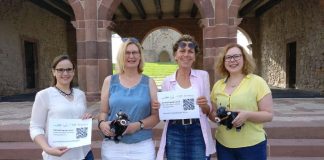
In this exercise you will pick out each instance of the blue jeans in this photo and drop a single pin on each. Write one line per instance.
(89, 156)
(256, 152)
(185, 142)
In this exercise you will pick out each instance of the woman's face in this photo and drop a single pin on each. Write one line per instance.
(233, 60)
(132, 56)
(64, 72)
(185, 55)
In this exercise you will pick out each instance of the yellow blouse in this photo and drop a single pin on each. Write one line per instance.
(245, 97)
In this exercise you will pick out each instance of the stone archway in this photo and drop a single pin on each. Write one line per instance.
(93, 27)
(160, 40)
(93, 33)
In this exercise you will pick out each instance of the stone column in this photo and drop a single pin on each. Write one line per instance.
(215, 33)
(87, 56)
(80, 43)
(93, 36)
(104, 49)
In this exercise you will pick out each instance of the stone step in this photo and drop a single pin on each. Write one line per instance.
(275, 130)
(287, 141)
(292, 149)
(296, 147)
(295, 130)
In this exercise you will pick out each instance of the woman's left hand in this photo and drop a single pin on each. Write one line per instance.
(240, 118)
(86, 116)
(202, 102)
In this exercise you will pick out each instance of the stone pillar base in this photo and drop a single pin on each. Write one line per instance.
(92, 97)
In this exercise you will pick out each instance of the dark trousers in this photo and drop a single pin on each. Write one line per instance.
(89, 156)
(256, 152)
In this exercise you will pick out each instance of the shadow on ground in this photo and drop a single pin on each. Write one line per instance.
(18, 98)
(295, 93)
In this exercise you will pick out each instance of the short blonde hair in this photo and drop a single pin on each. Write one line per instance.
(248, 61)
(121, 56)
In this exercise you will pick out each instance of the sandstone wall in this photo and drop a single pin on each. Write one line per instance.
(22, 19)
(289, 21)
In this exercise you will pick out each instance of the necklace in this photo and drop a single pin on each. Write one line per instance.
(63, 93)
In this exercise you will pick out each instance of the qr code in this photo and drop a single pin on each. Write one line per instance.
(81, 132)
(188, 104)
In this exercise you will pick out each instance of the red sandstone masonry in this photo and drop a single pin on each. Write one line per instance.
(77, 8)
(90, 9)
(221, 13)
(220, 30)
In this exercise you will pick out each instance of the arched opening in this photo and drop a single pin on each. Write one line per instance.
(158, 40)
(164, 56)
(158, 53)
(115, 44)
(244, 40)
(157, 50)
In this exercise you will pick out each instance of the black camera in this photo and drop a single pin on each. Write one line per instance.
(118, 126)
(225, 117)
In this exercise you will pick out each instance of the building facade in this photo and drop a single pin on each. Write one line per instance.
(287, 39)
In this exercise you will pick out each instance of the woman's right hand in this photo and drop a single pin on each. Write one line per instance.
(56, 151)
(105, 129)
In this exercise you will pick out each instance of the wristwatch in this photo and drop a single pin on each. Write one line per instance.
(142, 125)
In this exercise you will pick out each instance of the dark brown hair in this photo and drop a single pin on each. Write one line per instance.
(57, 60)
(187, 38)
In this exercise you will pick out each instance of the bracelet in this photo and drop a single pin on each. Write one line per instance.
(100, 123)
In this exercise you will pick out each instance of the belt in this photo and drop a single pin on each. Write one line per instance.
(184, 121)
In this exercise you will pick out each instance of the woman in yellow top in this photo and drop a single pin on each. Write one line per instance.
(245, 93)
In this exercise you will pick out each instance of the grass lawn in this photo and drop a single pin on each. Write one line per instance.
(158, 70)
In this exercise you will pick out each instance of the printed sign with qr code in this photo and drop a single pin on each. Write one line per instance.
(178, 104)
(70, 133)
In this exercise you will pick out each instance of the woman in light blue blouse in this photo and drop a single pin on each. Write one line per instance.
(135, 94)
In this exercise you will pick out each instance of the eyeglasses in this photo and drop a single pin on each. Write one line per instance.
(191, 45)
(131, 39)
(134, 53)
(62, 70)
(236, 57)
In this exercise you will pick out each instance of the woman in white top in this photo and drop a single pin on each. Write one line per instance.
(59, 101)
